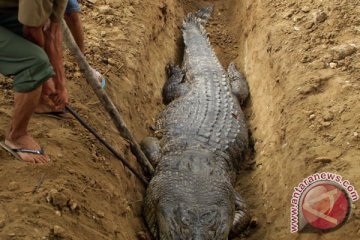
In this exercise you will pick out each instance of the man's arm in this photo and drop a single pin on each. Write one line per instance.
(50, 40)
(53, 47)
(35, 35)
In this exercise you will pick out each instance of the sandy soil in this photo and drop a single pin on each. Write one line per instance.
(304, 108)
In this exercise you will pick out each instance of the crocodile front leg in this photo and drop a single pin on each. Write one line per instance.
(242, 216)
(175, 86)
(239, 86)
(151, 149)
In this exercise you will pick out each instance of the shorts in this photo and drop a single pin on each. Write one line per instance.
(25, 61)
(72, 6)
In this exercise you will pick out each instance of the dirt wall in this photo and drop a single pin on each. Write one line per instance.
(303, 114)
(304, 105)
(85, 193)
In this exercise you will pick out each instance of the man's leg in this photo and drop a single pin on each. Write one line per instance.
(72, 18)
(30, 68)
(75, 26)
(17, 137)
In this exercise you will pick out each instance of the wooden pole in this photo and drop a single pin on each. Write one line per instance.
(105, 100)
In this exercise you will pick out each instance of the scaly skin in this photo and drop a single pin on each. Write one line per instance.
(204, 134)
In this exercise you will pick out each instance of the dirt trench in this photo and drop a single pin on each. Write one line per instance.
(303, 114)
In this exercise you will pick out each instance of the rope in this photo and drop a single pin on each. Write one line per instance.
(107, 145)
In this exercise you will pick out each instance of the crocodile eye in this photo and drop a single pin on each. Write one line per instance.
(185, 220)
(211, 233)
(209, 218)
(185, 232)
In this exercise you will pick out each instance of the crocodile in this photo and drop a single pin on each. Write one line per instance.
(201, 139)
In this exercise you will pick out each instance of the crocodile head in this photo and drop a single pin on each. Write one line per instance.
(194, 222)
(190, 198)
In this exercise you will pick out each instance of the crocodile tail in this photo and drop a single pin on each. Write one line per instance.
(199, 18)
(203, 14)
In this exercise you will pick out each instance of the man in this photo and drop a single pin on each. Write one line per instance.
(32, 56)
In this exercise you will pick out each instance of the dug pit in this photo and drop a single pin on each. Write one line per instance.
(304, 108)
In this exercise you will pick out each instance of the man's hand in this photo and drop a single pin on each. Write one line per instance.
(48, 88)
(60, 98)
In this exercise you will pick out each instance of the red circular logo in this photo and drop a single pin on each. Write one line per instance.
(326, 206)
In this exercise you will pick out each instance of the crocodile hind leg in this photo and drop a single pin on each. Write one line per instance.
(239, 86)
(175, 86)
(151, 149)
(242, 216)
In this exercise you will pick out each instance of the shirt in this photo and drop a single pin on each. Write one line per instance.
(35, 13)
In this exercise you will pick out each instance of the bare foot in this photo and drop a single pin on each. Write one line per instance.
(27, 142)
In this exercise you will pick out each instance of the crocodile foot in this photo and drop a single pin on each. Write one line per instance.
(175, 86)
(242, 219)
(239, 86)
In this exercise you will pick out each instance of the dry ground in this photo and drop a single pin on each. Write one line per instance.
(304, 108)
